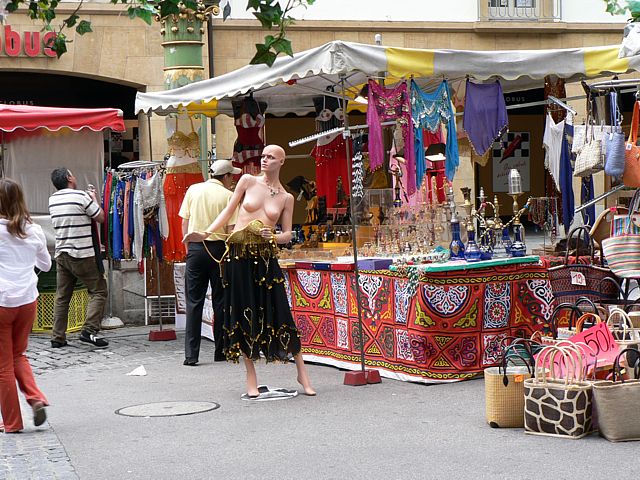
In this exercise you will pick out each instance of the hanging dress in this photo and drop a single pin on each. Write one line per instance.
(391, 104)
(249, 120)
(185, 153)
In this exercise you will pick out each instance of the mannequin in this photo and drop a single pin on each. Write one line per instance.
(182, 171)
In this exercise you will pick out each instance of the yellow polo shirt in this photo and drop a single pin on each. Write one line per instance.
(202, 204)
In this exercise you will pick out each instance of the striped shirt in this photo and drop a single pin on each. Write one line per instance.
(71, 213)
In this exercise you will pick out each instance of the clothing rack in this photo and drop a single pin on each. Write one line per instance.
(598, 198)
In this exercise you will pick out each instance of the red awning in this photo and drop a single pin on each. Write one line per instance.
(31, 118)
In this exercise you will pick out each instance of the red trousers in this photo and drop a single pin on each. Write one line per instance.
(15, 326)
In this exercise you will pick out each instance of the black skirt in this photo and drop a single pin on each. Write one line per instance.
(257, 317)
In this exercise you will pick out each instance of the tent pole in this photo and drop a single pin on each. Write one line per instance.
(361, 377)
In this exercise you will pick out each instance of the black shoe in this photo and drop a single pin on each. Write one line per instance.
(93, 339)
(190, 362)
(57, 344)
(39, 413)
(219, 357)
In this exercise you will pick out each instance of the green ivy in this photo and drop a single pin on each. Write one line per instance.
(630, 7)
(270, 13)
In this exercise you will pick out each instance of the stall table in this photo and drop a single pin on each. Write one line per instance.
(444, 326)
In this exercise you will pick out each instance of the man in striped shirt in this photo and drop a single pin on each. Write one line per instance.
(72, 211)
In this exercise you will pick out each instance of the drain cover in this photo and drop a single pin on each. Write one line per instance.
(167, 409)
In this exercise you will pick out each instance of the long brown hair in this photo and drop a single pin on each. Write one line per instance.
(13, 207)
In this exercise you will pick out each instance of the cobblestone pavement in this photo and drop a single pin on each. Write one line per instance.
(37, 453)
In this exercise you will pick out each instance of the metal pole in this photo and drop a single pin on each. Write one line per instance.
(156, 253)
(346, 134)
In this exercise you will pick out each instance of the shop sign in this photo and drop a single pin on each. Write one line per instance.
(31, 44)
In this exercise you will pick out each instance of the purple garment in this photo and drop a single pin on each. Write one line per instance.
(485, 115)
(389, 104)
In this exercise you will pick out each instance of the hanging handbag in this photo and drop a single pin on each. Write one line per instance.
(590, 158)
(614, 158)
(504, 389)
(623, 252)
(631, 177)
(571, 281)
(617, 403)
(558, 404)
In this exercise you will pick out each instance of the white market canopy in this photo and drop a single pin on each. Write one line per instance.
(291, 83)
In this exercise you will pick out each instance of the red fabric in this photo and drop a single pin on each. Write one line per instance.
(331, 163)
(175, 187)
(15, 326)
(29, 118)
(448, 328)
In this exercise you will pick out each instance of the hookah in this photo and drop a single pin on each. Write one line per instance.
(456, 247)
(518, 247)
(472, 252)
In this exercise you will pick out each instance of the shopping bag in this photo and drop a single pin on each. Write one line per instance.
(623, 251)
(614, 142)
(559, 406)
(504, 389)
(617, 402)
(573, 280)
(631, 177)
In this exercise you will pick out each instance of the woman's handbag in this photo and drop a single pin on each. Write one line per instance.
(504, 389)
(558, 406)
(623, 252)
(565, 333)
(626, 335)
(590, 158)
(571, 281)
(614, 157)
(617, 403)
(631, 177)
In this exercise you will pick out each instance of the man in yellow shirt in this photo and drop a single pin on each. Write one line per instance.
(202, 203)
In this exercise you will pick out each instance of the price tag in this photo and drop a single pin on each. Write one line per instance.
(578, 278)
(518, 378)
(598, 346)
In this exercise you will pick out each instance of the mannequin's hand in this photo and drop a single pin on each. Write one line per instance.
(194, 237)
(266, 233)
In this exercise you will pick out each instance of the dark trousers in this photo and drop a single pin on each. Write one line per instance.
(202, 271)
(68, 270)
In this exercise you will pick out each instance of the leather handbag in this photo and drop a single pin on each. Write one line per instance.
(573, 280)
(614, 158)
(631, 176)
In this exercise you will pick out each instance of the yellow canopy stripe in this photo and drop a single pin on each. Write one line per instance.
(604, 59)
(404, 62)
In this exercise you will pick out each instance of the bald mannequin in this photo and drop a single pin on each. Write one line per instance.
(261, 198)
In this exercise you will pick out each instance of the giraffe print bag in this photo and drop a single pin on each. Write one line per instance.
(558, 404)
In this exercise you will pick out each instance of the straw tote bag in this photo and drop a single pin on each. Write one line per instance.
(631, 177)
(617, 403)
(623, 252)
(590, 158)
(558, 406)
(571, 281)
(504, 389)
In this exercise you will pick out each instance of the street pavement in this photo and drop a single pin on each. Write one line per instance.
(385, 431)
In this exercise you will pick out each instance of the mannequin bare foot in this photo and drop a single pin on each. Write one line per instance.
(252, 380)
(308, 390)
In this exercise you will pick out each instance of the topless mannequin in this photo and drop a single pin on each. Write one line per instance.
(262, 198)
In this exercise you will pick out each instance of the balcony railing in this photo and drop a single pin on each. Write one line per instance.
(520, 10)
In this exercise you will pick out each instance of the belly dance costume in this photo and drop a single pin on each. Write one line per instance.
(177, 180)
(257, 317)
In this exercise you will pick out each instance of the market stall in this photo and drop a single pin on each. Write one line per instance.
(34, 141)
(425, 325)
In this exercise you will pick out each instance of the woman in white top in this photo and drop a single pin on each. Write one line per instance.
(22, 246)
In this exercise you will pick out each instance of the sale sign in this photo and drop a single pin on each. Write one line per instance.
(593, 348)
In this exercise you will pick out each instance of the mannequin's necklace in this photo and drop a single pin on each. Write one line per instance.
(272, 191)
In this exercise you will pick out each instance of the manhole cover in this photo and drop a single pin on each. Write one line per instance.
(167, 409)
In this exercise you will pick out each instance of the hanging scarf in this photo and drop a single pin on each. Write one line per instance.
(430, 111)
(485, 115)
